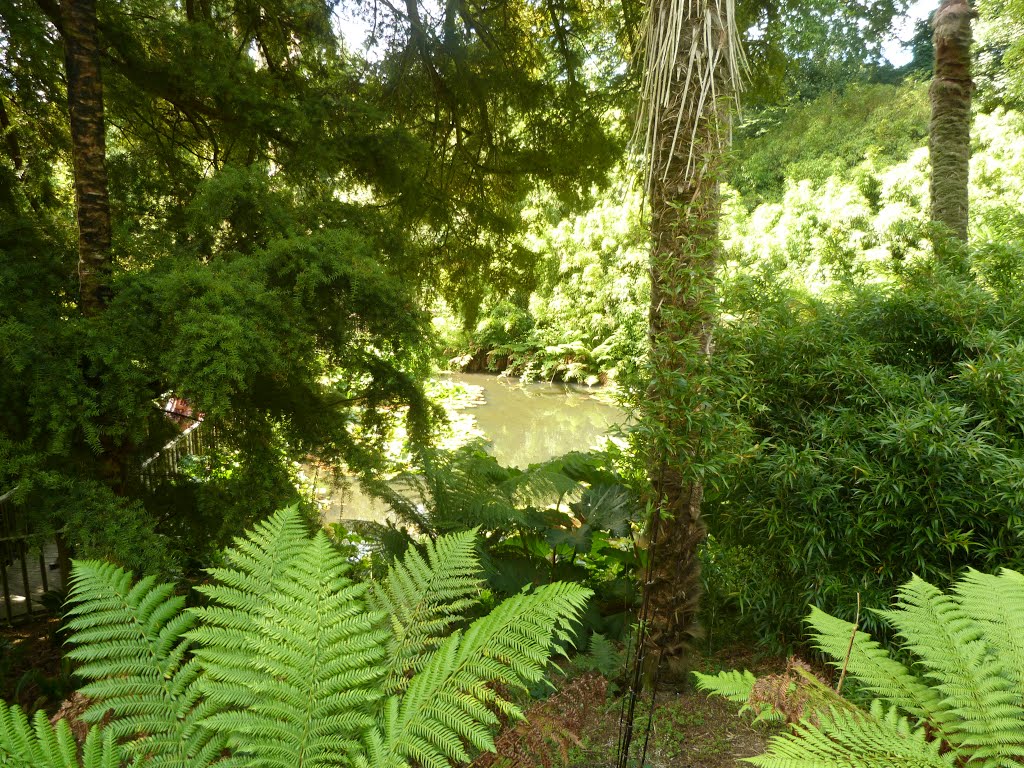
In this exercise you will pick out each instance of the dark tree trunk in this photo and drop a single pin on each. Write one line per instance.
(10, 139)
(79, 30)
(88, 149)
(949, 140)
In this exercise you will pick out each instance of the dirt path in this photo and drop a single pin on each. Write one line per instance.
(578, 727)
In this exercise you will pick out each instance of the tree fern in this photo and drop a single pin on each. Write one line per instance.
(36, 743)
(855, 739)
(290, 665)
(422, 598)
(297, 687)
(130, 642)
(965, 686)
(872, 666)
(258, 564)
(997, 603)
(447, 702)
(981, 708)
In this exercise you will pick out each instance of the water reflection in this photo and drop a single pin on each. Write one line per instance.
(524, 422)
(529, 422)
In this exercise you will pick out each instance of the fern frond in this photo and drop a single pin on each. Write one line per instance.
(448, 703)
(871, 665)
(980, 709)
(259, 563)
(732, 685)
(131, 643)
(295, 679)
(539, 486)
(855, 739)
(37, 744)
(422, 598)
(602, 656)
(998, 603)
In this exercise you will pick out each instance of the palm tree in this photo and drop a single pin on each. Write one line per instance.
(949, 140)
(693, 64)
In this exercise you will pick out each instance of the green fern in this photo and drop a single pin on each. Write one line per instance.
(733, 685)
(997, 602)
(855, 739)
(35, 743)
(297, 685)
(422, 598)
(130, 642)
(870, 664)
(980, 709)
(738, 688)
(292, 665)
(447, 703)
(964, 689)
(602, 657)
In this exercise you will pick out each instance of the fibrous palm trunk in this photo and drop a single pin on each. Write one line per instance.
(88, 150)
(949, 140)
(693, 71)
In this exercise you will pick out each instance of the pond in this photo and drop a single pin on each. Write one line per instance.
(530, 422)
(523, 422)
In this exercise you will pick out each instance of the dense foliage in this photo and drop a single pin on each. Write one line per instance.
(280, 204)
(865, 401)
(877, 393)
(296, 187)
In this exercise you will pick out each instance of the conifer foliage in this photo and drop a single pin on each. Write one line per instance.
(960, 702)
(291, 663)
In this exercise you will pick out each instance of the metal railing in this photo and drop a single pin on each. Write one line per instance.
(29, 568)
(163, 465)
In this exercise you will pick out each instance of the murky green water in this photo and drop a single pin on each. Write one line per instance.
(529, 422)
(524, 422)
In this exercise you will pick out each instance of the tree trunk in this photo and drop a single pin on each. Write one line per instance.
(79, 30)
(949, 141)
(686, 140)
(88, 149)
(11, 139)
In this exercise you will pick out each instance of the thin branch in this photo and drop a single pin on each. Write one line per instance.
(849, 648)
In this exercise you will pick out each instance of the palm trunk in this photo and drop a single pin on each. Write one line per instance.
(686, 133)
(949, 140)
(88, 149)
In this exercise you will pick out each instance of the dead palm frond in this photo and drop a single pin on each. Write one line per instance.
(689, 82)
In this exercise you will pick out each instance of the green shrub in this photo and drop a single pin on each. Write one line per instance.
(886, 438)
(829, 136)
(289, 663)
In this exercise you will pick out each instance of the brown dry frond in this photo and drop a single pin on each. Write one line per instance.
(797, 694)
(714, 68)
(552, 727)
